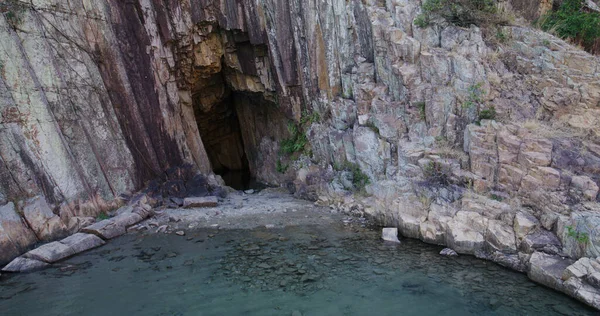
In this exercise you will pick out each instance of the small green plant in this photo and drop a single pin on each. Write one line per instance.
(102, 216)
(460, 12)
(496, 197)
(581, 237)
(422, 20)
(546, 43)
(571, 21)
(307, 117)
(359, 179)
(296, 142)
(487, 114)
(422, 110)
(436, 174)
(281, 167)
(13, 11)
(475, 96)
(501, 36)
(373, 127)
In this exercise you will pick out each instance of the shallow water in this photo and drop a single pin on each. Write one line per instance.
(313, 270)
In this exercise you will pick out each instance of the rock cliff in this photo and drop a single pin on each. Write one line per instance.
(482, 140)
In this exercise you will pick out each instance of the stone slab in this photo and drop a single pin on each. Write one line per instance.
(50, 252)
(81, 242)
(390, 234)
(207, 201)
(22, 264)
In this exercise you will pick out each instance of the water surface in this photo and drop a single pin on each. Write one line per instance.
(313, 270)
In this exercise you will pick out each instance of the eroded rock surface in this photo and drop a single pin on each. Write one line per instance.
(101, 99)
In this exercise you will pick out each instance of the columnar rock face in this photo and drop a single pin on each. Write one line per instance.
(485, 143)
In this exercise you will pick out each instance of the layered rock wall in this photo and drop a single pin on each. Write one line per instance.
(98, 98)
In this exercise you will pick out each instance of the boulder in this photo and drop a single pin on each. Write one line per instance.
(81, 242)
(500, 236)
(106, 229)
(390, 234)
(524, 223)
(409, 226)
(51, 252)
(46, 225)
(206, 201)
(548, 269)
(541, 240)
(586, 185)
(117, 226)
(465, 232)
(15, 237)
(22, 264)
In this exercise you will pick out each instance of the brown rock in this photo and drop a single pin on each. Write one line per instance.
(207, 201)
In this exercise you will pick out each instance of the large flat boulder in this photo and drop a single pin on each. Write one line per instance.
(106, 229)
(22, 264)
(501, 237)
(548, 269)
(524, 223)
(541, 240)
(51, 252)
(81, 242)
(206, 201)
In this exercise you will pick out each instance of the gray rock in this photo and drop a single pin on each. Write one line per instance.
(207, 201)
(524, 224)
(448, 252)
(22, 264)
(81, 242)
(114, 227)
(390, 234)
(541, 240)
(15, 237)
(46, 225)
(548, 269)
(500, 237)
(106, 229)
(51, 252)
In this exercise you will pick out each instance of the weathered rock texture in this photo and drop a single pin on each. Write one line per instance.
(98, 98)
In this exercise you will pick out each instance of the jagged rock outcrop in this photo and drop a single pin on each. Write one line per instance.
(488, 144)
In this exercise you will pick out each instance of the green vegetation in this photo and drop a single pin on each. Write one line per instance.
(501, 36)
(571, 21)
(488, 114)
(372, 126)
(359, 178)
(102, 216)
(296, 142)
(282, 168)
(475, 96)
(422, 111)
(581, 237)
(13, 11)
(435, 173)
(496, 197)
(313, 117)
(460, 12)
(546, 43)
(476, 102)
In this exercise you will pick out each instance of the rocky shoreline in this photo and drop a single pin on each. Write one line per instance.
(539, 254)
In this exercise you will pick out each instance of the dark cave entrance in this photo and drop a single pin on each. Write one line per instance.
(222, 136)
(215, 109)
